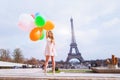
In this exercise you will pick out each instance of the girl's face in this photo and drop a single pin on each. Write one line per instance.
(50, 33)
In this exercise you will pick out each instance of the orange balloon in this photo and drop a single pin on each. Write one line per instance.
(49, 25)
(35, 34)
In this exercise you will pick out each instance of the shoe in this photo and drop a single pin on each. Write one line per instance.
(53, 72)
(45, 73)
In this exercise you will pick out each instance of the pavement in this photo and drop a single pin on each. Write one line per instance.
(37, 74)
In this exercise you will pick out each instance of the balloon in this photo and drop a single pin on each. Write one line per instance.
(26, 22)
(43, 35)
(35, 34)
(49, 25)
(39, 21)
(33, 16)
(36, 14)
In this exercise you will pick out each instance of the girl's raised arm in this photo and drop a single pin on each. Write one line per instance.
(46, 34)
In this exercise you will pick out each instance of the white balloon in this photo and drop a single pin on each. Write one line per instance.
(26, 22)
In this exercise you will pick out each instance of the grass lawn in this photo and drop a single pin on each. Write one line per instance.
(73, 71)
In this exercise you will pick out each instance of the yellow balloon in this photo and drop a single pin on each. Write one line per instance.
(48, 26)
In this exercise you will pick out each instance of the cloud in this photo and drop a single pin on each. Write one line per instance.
(112, 23)
(88, 36)
(62, 29)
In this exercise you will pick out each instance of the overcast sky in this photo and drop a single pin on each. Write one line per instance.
(96, 25)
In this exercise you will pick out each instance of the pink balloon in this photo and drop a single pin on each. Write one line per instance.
(33, 16)
(26, 22)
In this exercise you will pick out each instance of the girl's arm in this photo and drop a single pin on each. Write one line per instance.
(46, 34)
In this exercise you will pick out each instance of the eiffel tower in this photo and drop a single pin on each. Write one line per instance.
(76, 54)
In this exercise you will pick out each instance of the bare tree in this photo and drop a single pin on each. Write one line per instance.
(32, 61)
(5, 55)
(17, 56)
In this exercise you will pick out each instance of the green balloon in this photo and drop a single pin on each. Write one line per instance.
(43, 35)
(39, 21)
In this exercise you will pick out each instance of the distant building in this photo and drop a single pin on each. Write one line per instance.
(92, 63)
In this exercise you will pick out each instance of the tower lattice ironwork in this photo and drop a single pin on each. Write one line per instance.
(73, 46)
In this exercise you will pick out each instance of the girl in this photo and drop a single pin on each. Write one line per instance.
(50, 50)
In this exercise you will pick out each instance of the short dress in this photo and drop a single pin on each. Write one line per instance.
(50, 48)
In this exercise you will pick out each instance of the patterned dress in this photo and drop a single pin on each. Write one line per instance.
(50, 48)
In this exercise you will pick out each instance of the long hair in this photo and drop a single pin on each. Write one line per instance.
(50, 36)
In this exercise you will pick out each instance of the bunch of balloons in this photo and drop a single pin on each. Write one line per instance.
(36, 24)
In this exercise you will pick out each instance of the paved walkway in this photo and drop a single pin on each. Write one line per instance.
(37, 74)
